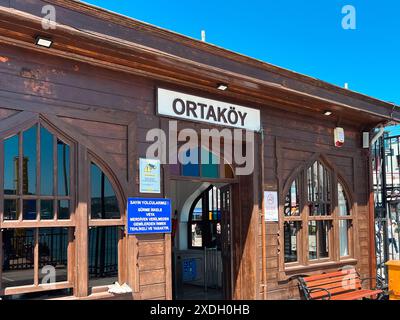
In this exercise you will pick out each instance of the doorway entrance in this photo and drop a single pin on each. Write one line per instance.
(202, 251)
(215, 230)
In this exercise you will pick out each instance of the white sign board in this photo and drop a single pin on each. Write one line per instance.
(150, 175)
(189, 107)
(271, 206)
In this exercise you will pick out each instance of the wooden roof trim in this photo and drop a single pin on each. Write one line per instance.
(132, 49)
(129, 22)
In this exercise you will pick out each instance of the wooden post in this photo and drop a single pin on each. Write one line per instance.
(81, 231)
(263, 223)
(168, 267)
(132, 263)
(371, 218)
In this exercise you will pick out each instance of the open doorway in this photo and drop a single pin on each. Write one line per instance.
(202, 250)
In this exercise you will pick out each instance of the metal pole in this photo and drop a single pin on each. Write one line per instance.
(205, 269)
(384, 204)
(263, 224)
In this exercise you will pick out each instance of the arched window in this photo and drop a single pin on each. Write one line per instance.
(105, 232)
(315, 206)
(50, 233)
(36, 205)
(205, 220)
(345, 222)
(201, 163)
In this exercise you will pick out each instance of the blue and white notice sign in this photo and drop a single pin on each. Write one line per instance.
(149, 215)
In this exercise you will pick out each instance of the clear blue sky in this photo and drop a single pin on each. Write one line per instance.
(305, 36)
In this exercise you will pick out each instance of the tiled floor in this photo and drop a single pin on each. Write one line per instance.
(198, 293)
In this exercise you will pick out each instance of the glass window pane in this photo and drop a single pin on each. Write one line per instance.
(29, 161)
(63, 209)
(103, 255)
(104, 204)
(191, 169)
(29, 210)
(11, 165)
(344, 237)
(63, 165)
(46, 209)
(312, 240)
(318, 239)
(323, 238)
(318, 189)
(291, 231)
(197, 214)
(210, 166)
(342, 202)
(53, 255)
(11, 209)
(18, 257)
(197, 235)
(46, 162)
(315, 181)
(292, 206)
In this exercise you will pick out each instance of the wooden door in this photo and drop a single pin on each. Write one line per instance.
(226, 243)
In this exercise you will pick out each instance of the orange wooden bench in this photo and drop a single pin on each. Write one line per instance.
(345, 284)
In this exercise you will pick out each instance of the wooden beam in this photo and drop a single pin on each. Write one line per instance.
(81, 233)
(168, 265)
(156, 63)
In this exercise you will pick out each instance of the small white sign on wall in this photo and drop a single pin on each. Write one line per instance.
(271, 206)
(150, 175)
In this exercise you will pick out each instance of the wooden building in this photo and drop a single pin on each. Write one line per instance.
(73, 125)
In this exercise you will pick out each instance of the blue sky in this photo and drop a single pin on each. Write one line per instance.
(305, 36)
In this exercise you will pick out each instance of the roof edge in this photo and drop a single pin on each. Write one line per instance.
(130, 22)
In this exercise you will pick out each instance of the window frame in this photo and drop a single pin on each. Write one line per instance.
(222, 167)
(350, 218)
(204, 197)
(19, 223)
(303, 261)
(93, 223)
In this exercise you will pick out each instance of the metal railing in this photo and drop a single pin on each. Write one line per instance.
(386, 183)
(211, 268)
(19, 246)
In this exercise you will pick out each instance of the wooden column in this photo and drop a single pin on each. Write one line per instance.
(132, 263)
(168, 266)
(132, 243)
(245, 224)
(81, 231)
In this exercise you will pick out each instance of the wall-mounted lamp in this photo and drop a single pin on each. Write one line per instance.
(43, 42)
(222, 87)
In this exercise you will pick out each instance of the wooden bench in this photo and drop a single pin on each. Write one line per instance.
(345, 284)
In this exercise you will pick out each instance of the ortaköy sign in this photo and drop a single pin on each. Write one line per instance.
(194, 108)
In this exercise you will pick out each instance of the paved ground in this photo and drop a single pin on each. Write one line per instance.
(197, 293)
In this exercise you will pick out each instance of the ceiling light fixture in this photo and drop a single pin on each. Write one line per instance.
(43, 42)
(222, 87)
(327, 113)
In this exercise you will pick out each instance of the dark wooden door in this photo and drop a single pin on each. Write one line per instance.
(226, 243)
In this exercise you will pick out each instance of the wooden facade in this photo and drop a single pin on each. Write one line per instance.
(97, 86)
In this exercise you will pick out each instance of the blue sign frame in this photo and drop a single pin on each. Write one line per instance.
(146, 216)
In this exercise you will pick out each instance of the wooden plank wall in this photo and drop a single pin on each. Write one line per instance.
(101, 105)
(112, 108)
(290, 142)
